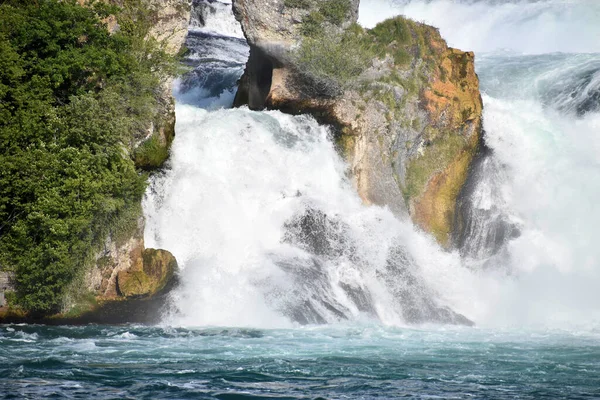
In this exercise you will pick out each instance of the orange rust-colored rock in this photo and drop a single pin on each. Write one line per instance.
(454, 90)
(434, 210)
(454, 105)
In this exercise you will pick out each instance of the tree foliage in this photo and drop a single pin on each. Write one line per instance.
(72, 97)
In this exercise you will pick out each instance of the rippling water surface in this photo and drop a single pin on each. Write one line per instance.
(334, 362)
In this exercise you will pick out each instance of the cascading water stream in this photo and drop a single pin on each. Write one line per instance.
(523, 26)
(258, 211)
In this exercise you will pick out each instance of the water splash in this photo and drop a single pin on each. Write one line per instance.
(214, 18)
(257, 210)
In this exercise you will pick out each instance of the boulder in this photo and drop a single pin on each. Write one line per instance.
(149, 277)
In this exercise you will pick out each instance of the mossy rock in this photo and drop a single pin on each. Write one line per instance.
(154, 151)
(158, 268)
(151, 154)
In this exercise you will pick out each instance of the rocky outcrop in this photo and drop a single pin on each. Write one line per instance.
(124, 269)
(274, 29)
(169, 27)
(117, 255)
(169, 21)
(275, 26)
(108, 290)
(408, 121)
(151, 273)
(125, 260)
(170, 24)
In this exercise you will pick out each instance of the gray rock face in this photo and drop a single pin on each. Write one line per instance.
(172, 21)
(329, 240)
(5, 286)
(170, 30)
(409, 124)
(274, 26)
(273, 29)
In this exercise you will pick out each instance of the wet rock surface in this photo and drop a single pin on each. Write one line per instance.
(409, 125)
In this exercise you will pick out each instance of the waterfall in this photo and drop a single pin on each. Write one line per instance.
(267, 228)
(268, 231)
(523, 26)
(291, 288)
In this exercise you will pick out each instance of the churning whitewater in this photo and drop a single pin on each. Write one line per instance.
(269, 231)
(257, 208)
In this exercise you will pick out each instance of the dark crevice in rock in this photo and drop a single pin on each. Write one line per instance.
(255, 85)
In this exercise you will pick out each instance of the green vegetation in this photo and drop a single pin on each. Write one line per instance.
(312, 25)
(332, 12)
(73, 100)
(392, 30)
(403, 39)
(10, 298)
(333, 61)
(151, 154)
(84, 303)
(303, 4)
(335, 11)
(410, 45)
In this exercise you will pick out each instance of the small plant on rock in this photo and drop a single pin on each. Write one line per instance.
(333, 61)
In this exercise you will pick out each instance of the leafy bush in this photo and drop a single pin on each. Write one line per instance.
(335, 11)
(72, 99)
(394, 29)
(312, 25)
(404, 39)
(333, 62)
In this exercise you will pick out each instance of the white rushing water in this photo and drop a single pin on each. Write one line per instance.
(268, 231)
(216, 18)
(238, 180)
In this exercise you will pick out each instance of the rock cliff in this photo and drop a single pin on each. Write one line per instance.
(169, 27)
(169, 21)
(124, 268)
(405, 107)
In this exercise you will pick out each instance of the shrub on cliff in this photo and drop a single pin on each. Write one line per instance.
(333, 61)
(72, 98)
(332, 12)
